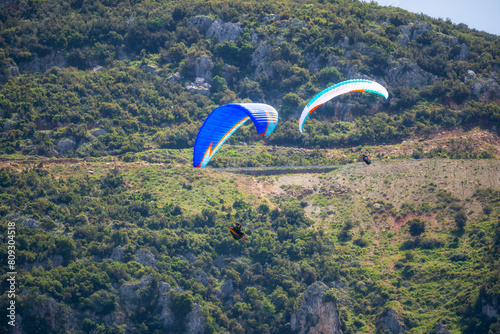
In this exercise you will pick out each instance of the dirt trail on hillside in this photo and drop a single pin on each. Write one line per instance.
(395, 182)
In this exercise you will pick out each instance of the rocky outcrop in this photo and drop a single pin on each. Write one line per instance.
(146, 258)
(37, 64)
(464, 52)
(260, 58)
(315, 315)
(58, 317)
(412, 31)
(200, 22)
(150, 69)
(194, 321)
(390, 320)
(469, 76)
(223, 31)
(98, 132)
(166, 315)
(490, 311)
(8, 125)
(31, 223)
(314, 63)
(199, 86)
(14, 70)
(117, 254)
(53, 261)
(129, 293)
(202, 277)
(485, 89)
(203, 68)
(225, 290)
(408, 73)
(215, 28)
(439, 328)
(65, 145)
(176, 77)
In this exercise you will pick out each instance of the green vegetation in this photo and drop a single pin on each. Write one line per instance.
(84, 240)
(140, 109)
(117, 233)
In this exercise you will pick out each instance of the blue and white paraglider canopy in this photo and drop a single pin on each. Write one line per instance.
(224, 121)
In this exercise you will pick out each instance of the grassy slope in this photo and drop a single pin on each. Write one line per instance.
(422, 284)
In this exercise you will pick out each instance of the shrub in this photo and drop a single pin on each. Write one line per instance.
(461, 219)
(430, 243)
(459, 257)
(361, 242)
(417, 227)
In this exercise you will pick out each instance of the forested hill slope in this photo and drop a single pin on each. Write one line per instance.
(116, 233)
(82, 78)
(398, 246)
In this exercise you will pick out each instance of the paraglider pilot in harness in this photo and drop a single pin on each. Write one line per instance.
(366, 159)
(236, 231)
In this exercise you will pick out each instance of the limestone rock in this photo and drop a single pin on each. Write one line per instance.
(439, 328)
(390, 321)
(412, 31)
(8, 125)
(117, 254)
(98, 132)
(469, 76)
(14, 70)
(314, 63)
(314, 315)
(59, 317)
(166, 314)
(464, 52)
(150, 69)
(176, 77)
(65, 145)
(200, 22)
(490, 311)
(270, 18)
(203, 68)
(116, 317)
(199, 87)
(129, 292)
(37, 64)
(194, 321)
(485, 89)
(260, 58)
(225, 290)
(31, 223)
(146, 258)
(223, 31)
(408, 73)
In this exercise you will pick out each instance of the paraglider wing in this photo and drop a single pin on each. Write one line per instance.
(224, 121)
(344, 87)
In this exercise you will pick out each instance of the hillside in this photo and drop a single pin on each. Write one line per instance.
(110, 230)
(95, 78)
(146, 246)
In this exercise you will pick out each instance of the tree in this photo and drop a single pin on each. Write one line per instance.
(328, 75)
(182, 304)
(291, 103)
(461, 219)
(417, 227)
(263, 209)
(219, 84)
